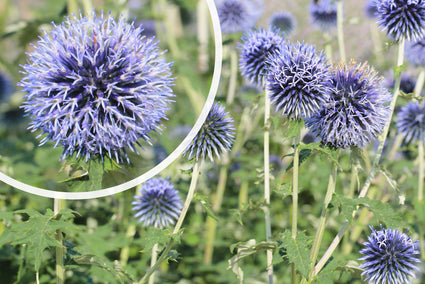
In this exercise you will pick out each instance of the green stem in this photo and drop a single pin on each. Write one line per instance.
(72, 7)
(328, 45)
(295, 168)
(58, 204)
(211, 224)
(169, 24)
(323, 217)
(267, 183)
(233, 76)
(375, 166)
(421, 171)
(154, 258)
(189, 197)
(124, 254)
(340, 27)
(203, 35)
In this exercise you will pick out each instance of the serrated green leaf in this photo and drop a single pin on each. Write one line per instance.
(304, 155)
(155, 236)
(284, 190)
(245, 249)
(294, 128)
(39, 232)
(204, 202)
(345, 205)
(297, 251)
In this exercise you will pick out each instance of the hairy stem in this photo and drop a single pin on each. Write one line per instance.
(382, 139)
(340, 26)
(189, 197)
(267, 183)
(323, 217)
(59, 204)
(203, 35)
(154, 258)
(233, 76)
(295, 168)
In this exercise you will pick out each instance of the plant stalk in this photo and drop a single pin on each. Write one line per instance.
(189, 197)
(295, 168)
(323, 217)
(267, 183)
(59, 204)
(370, 177)
(233, 76)
(154, 258)
(340, 27)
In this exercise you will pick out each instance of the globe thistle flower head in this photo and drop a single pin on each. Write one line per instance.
(407, 83)
(215, 136)
(298, 80)
(390, 257)
(236, 15)
(357, 109)
(6, 88)
(402, 18)
(284, 21)
(411, 122)
(324, 14)
(157, 203)
(415, 52)
(257, 45)
(370, 9)
(96, 86)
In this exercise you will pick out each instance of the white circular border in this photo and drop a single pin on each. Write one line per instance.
(167, 161)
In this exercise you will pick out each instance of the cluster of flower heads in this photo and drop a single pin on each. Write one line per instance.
(402, 18)
(324, 14)
(283, 21)
(411, 122)
(95, 86)
(357, 109)
(157, 203)
(298, 80)
(415, 52)
(215, 136)
(390, 257)
(237, 15)
(257, 45)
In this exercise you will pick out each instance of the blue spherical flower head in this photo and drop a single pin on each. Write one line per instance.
(96, 86)
(324, 14)
(415, 52)
(215, 136)
(411, 122)
(157, 203)
(407, 83)
(371, 9)
(390, 257)
(357, 109)
(284, 21)
(236, 15)
(298, 80)
(257, 45)
(402, 18)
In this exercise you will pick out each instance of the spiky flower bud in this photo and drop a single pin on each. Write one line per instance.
(157, 203)
(298, 80)
(96, 86)
(215, 136)
(236, 15)
(390, 257)
(411, 122)
(402, 18)
(357, 109)
(324, 14)
(284, 21)
(257, 45)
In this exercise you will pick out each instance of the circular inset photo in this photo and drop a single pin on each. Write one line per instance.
(106, 101)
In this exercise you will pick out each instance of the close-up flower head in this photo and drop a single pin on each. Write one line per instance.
(237, 15)
(390, 256)
(324, 14)
(402, 18)
(298, 80)
(95, 86)
(357, 110)
(256, 46)
(284, 21)
(157, 203)
(215, 137)
(411, 122)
